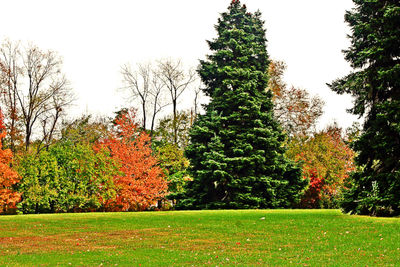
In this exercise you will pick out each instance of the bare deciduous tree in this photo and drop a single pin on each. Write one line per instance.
(59, 100)
(36, 91)
(158, 98)
(138, 84)
(9, 73)
(176, 80)
(144, 84)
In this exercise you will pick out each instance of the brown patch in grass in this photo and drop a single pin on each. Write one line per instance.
(7, 230)
(200, 244)
(85, 241)
(111, 240)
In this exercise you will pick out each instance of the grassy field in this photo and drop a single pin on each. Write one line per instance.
(240, 237)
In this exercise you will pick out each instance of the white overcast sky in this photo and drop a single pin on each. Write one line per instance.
(96, 37)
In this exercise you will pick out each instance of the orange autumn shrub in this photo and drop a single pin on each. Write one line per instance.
(140, 182)
(8, 177)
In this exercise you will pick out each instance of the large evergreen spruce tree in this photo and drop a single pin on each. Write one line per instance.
(375, 83)
(236, 151)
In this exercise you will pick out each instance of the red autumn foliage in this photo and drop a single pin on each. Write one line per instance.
(8, 177)
(327, 162)
(141, 181)
(312, 196)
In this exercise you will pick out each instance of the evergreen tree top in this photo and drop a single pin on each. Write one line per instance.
(375, 37)
(374, 54)
(239, 50)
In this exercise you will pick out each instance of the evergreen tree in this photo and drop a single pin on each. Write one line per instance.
(374, 54)
(236, 151)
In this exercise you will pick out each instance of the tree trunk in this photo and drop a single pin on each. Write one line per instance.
(174, 123)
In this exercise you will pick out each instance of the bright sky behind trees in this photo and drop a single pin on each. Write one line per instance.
(96, 37)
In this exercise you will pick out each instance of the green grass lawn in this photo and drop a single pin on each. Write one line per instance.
(235, 237)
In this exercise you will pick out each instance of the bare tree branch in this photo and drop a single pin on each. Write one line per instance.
(158, 97)
(176, 80)
(36, 89)
(144, 84)
(9, 73)
(138, 84)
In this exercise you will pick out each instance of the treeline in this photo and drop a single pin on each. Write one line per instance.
(133, 161)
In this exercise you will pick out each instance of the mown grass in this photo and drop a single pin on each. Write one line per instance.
(235, 237)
